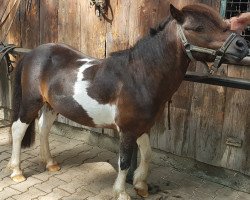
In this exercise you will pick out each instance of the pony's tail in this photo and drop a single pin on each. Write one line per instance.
(29, 136)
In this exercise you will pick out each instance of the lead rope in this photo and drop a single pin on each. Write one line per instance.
(5, 50)
(169, 119)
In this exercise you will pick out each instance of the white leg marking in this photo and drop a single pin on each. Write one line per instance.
(44, 125)
(100, 113)
(18, 130)
(141, 172)
(119, 186)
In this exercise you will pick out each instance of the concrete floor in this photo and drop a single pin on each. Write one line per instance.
(88, 172)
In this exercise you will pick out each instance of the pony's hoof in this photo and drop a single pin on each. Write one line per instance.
(123, 196)
(142, 189)
(142, 193)
(53, 168)
(18, 178)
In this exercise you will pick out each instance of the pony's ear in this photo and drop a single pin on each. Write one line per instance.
(176, 14)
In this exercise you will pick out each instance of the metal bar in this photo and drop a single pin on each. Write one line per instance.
(238, 83)
(223, 5)
(19, 50)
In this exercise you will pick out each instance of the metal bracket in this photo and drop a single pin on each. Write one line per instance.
(235, 142)
(100, 7)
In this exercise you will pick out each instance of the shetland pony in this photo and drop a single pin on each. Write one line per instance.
(126, 91)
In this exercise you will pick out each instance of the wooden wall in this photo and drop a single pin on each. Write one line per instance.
(202, 116)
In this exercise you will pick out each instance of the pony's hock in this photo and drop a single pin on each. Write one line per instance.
(125, 92)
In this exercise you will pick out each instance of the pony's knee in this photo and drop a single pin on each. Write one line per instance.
(18, 129)
(47, 118)
(145, 148)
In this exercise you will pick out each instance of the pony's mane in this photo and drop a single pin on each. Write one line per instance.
(161, 26)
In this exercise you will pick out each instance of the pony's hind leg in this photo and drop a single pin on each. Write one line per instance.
(23, 135)
(18, 131)
(141, 173)
(44, 125)
(126, 150)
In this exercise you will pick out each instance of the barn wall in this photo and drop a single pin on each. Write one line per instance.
(203, 117)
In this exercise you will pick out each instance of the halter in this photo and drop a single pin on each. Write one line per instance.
(219, 54)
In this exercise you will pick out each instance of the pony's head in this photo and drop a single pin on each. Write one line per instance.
(207, 35)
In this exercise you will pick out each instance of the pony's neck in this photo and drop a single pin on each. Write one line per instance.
(164, 62)
(161, 51)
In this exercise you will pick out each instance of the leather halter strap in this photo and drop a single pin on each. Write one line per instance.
(219, 54)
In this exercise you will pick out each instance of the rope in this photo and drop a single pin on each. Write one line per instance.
(5, 50)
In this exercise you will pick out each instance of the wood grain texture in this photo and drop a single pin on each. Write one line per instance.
(93, 32)
(69, 23)
(237, 125)
(48, 21)
(117, 36)
(30, 26)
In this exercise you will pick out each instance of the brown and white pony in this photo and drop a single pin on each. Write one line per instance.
(126, 91)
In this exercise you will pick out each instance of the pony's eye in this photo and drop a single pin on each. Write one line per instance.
(199, 29)
(226, 29)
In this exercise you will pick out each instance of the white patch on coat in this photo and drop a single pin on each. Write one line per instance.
(18, 130)
(141, 172)
(102, 114)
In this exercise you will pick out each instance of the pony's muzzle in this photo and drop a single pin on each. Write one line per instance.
(237, 50)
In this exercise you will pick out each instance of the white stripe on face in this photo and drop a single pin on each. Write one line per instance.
(102, 114)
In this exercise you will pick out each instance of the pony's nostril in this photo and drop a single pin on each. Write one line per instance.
(239, 43)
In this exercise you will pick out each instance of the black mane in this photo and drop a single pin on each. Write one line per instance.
(160, 27)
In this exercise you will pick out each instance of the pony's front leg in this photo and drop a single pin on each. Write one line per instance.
(127, 143)
(141, 173)
(18, 131)
(44, 125)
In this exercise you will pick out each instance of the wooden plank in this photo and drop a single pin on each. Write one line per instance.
(93, 32)
(3, 8)
(118, 30)
(48, 21)
(7, 16)
(69, 23)
(236, 125)
(30, 28)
